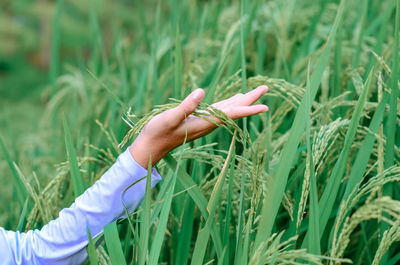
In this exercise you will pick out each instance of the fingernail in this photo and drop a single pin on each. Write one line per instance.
(263, 87)
(197, 94)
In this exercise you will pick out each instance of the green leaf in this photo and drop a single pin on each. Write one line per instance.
(145, 225)
(363, 155)
(91, 250)
(113, 243)
(314, 245)
(187, 223)
(23, 216)
(226, 239)
(162, 223)
(55, 46)
(19, 186)
(77, 181)
(239, 226)
(178, 65)
(245, 248)
(391, 123)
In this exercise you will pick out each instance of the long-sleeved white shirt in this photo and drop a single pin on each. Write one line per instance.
(64, 240)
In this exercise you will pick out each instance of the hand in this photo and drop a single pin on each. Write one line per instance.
(167, 130)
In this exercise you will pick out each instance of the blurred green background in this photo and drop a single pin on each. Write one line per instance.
(41, 41)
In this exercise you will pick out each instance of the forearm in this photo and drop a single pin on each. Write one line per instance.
(63, 240)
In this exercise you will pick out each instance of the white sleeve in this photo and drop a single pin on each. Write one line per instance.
(64, 240)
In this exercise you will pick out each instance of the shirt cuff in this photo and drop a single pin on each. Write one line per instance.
(136, 187)
(134, 169)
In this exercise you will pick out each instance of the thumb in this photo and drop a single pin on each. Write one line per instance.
(190, 103)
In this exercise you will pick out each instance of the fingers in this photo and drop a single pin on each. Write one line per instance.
(245, 111)
(189, 104)
(236, 107)
(250, 97)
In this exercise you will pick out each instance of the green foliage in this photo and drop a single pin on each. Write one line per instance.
(18, 185)
(76, 178)
(91, 250)
(145, 225)
(315, 180)
(113, 243)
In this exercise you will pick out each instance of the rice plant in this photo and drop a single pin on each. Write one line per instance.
(315, 180)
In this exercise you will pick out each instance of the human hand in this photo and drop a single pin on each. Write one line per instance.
(169, 129)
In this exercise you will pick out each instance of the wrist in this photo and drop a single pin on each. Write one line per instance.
(143, 149)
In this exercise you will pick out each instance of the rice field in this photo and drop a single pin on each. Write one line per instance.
(315, 180)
